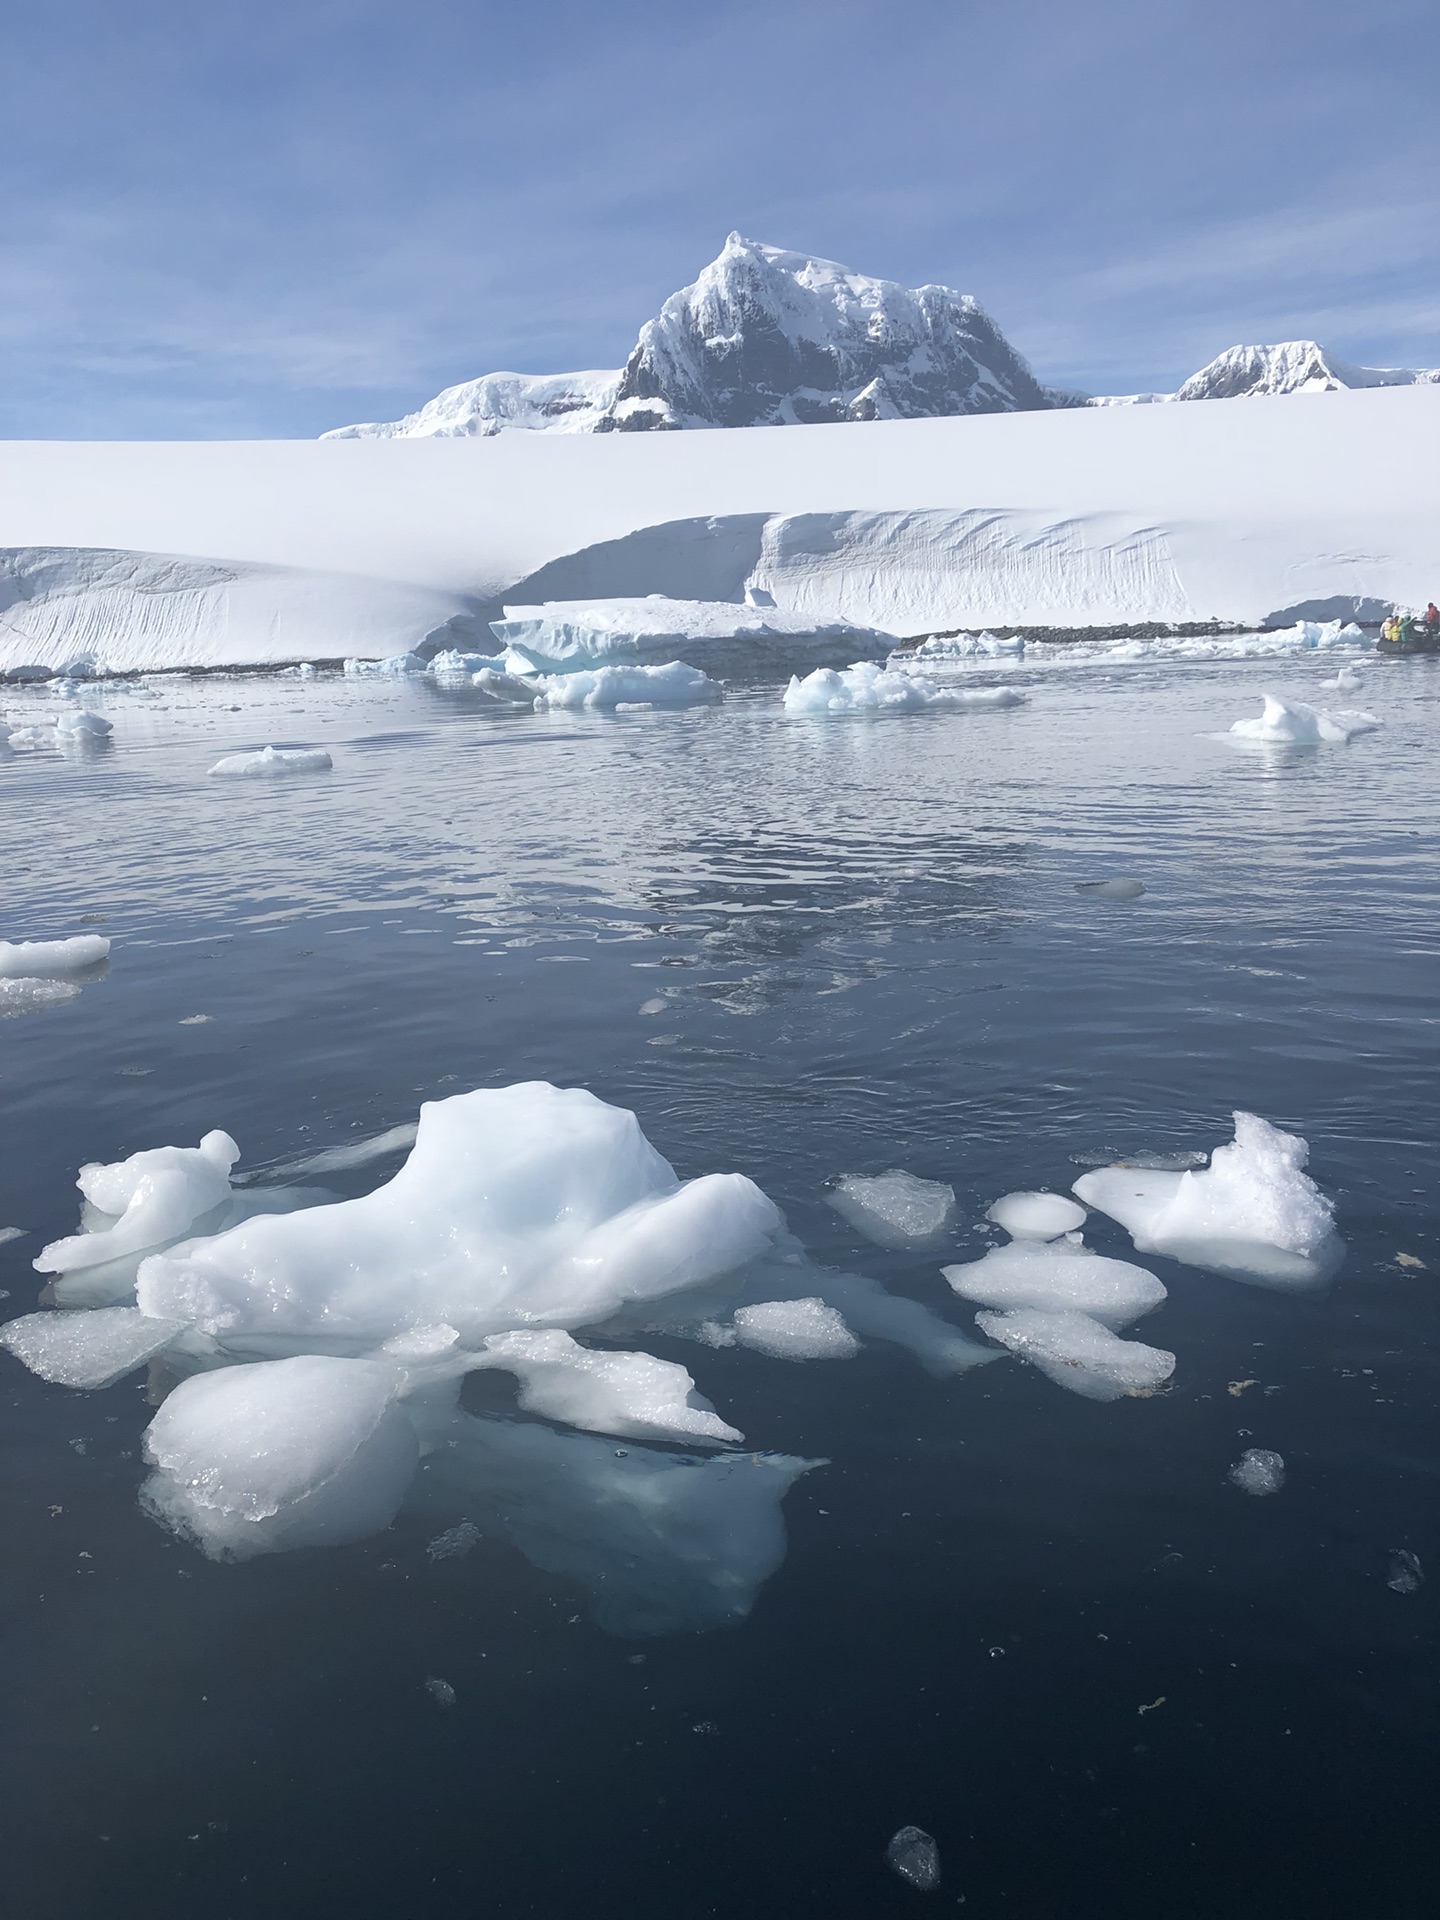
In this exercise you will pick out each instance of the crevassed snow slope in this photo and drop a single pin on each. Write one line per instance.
(1067, 517)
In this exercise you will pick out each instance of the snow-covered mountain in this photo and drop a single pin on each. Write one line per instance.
(1292, 366)
(763, 338)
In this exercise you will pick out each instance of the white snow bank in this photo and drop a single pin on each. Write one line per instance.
(1058, 1277)
(869, 688)
(270, 762)
(1077, 1353)
(671, 685)
(51, 959)
(623, 1393)
(307, 1451)
(1253, 1214)
(563, 636)
(803, 1329)
(1258, 1471)
(523, 1204)
(1036, 1215)
(90, 1350)
(1293, 723)
(968, 646)
(895, 1209)
(152, 1198)
(33, 996)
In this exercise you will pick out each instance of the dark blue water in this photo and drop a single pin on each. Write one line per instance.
(1047, 1631)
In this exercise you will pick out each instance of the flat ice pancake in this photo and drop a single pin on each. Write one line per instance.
(271, 763)
(309, 1451)
(1035, 1216)
(1058, 1278)
(895, 1209)
(1079, 1354)
(1253, 1214)
(518, 1205)
(624, 1393)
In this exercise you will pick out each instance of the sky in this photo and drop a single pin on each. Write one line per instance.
(271, 217)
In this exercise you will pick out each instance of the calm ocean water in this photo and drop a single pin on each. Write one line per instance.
(1047, 1631)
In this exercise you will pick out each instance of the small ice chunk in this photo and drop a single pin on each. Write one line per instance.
(1292, 723)
(454, 1541)
(1252, 1214)
(7, 1234)
(1258, 1471)
(308, 1451)
(87, 1349)
(1058, 1277)
(1036, 1216)
(916, 1858)
(394, 666)
(795, 1330)
(895, 1209)
(672, 685)
(32, 996)
(272, 761)
(1405, 1575)
(508, 688)
(93, 725)
(153, 1198)
(454, 660)
(869, 688)
(1112, 889)
(51, 959)
(440, 1691)
(1076, 1352)
(623, 1393)
(651, 1007)
(1346, 681)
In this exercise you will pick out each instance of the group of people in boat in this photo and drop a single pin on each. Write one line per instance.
(1405, 629)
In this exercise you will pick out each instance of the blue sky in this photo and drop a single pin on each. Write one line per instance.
(269, 219)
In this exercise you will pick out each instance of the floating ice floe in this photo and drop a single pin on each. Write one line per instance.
(1253, 1214)
(805, 1329)
(968, 646)
(1058, 1276)
(621, 1393)
(271, 762)
(33, 996)
(1258, 1471)
(453, 661)
(52, 959)
(724, 636)
(394, 667)
(1111, 889)
(915, 1857)
(895, 1209)
(509, 689)
(153, 1197)
(1346, 681)
(868, 688)
(1078, 1353)
(88, 1350)
(672, 684)
(1305, 637)
(1035, 1215)
(1294, 724)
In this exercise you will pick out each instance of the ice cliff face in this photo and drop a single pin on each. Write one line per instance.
(763, 338)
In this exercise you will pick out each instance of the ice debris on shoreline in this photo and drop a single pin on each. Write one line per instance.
(271, 762)
(868, 688)
(1258, 1472)
(1253, 1214)
(1293, 723)
(895, 1209)
(672, 684)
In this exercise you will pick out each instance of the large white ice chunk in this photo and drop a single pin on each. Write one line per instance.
(1253, 1214)
(87, 1349)
(1077, 1353)
(1292, 723)
(518, 1205)
(51, 959)
(563, 635)
(1036, 1216)
(895, 1209)
(1056, 1278)
(795, 1330)
(309, 1451)
(272, 761)
(671, 685)
(868, 688)
(969, 646)
(153, 1197)
(625, 1393)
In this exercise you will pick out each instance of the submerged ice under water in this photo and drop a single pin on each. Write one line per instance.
(786, 950)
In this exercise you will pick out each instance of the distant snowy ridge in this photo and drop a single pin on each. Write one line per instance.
(1294, 366)
(764, 337)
